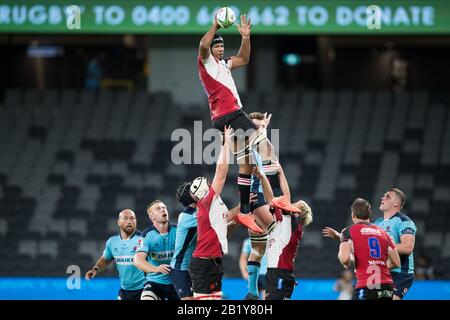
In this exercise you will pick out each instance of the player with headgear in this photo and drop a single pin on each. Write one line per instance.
(185, 243)
(226, 109)
(206, 269)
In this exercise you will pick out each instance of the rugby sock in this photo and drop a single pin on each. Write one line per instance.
(272, 176)
(253, 274)
(244, 182)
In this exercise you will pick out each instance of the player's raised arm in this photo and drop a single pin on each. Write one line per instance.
(267, 189)
(222, 162)
(284, 185)
(243, 55)
(205, 43)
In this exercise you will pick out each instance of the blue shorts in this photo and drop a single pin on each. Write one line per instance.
(182, 282)
(259, 202)
(163, 291)
(402, 283)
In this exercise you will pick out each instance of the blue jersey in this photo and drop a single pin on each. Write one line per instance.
(186, 239)
(159, 248)
(122, 251)
(396, 226)
(247, 249)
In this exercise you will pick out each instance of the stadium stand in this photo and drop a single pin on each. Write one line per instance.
(71, 160)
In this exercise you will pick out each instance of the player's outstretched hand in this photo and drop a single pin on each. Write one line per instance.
(331, 233)
(256, 172)
(164, 268)
(245, 26)
(277, 166)
(267, 119)
(90, 274)
(215, 23)
(253, 198)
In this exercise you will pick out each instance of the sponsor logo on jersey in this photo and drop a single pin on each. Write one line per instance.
(370, 231)
(124, 260)
(160, 256)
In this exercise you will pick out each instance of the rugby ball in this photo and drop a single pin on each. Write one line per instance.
(225, 17)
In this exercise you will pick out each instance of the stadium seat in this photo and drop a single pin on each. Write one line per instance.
(73, 159)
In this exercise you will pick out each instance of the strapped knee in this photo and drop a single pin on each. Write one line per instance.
(149, 295)
(259, 237)
(271, 227)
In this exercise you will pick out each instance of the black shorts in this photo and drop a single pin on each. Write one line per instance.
(206, 275)
(237, 120)
(280, 284)
(260, 201)
(182, 282)
(385, 292)
(129, 294)
(163, 291)
(402, 283)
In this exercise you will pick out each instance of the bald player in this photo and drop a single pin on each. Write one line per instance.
(121, 248)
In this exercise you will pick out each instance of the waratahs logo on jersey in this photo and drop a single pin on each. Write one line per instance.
(140, 244)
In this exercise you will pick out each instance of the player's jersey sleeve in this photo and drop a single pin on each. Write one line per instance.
(144, 245)
(407, 227)
(107, 253)
(345, 235)
(246, 247)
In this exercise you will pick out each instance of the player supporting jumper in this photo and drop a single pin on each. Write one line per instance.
(226, 108)
(284, 241)
(373, 253)
(206, 268)
(155, 253)
(122, 248)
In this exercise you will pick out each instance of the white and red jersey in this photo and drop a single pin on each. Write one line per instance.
(219, 86)
(211, 226)
(283, 242)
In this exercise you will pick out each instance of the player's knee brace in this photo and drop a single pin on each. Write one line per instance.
(271, 227)
(149, 295)
(259, 237)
